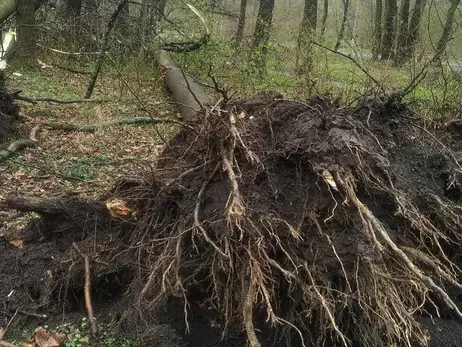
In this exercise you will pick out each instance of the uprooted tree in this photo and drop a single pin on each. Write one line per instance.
(294, 221)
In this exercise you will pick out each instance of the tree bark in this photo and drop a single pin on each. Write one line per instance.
(262, 33)
(241, 24)
(157, 14)
(324, 16)
(143, 25)
(8, 7)
(26, 31)
(377, 45)
(447, 30)
(72, 15)
(403, 35)
(189, 95)
(414, 27)
(306, 33)
(391, 12)
(346, 5)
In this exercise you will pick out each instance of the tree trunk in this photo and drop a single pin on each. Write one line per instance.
(157, 14)
(123, 22)
(26, 30)
(8, 7)
(414, 27)
(143, 25)
(377, 45)
(262, 33)
(391, 12)
(189, 95)
(72, 15)
(73, 9)
(324, 17)
(403, 35)
(447, 31)
(307, 31)
(346, 5)
(241, 24)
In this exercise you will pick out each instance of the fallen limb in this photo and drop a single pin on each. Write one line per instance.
(93, 128)
(15, 147)
(33, 100)
(87, 290)
(67, 206)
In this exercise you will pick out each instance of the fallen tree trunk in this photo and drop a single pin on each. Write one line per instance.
(92, 128)
(186, 92)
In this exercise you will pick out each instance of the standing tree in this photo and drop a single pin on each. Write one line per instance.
(262, 33)
(403, 34)
(26, 30)
(447, 31)
(414, 27)
(240, 24)
(346, 5)
(307, 30)
(157, 14)
(391, 13)
(377, 44)
(324, 16)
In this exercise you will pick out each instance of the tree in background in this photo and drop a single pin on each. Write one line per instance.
(346, 5)
(305, 36)
(324, 16)
(403, 34)
(447, 31)
(377, 45)
(388, 39)
(26, 31)
(262, 33)
(240, 24)
(414, 28)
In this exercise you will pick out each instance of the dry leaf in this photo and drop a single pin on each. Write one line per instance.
(17, 243)
(43, 338)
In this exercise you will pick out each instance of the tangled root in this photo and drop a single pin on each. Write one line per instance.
(326, 224)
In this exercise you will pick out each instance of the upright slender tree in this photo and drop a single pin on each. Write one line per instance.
(388, 39)
(447, 30)
(346, 5)
(377, 44)
(325, 13)
(261, 34)
(414, 27)
(305, 36)
(403, 34)
(26, 30)
(241, 23)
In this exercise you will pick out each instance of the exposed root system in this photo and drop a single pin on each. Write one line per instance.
(301, 224)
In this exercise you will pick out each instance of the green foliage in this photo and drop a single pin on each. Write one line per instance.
(84, 168)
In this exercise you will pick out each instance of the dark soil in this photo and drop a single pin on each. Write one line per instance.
(277, 230)
(9, 114)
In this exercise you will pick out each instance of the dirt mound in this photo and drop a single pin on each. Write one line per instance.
(335, 225)
(298, 223)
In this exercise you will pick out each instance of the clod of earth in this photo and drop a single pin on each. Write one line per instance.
(301, 224)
